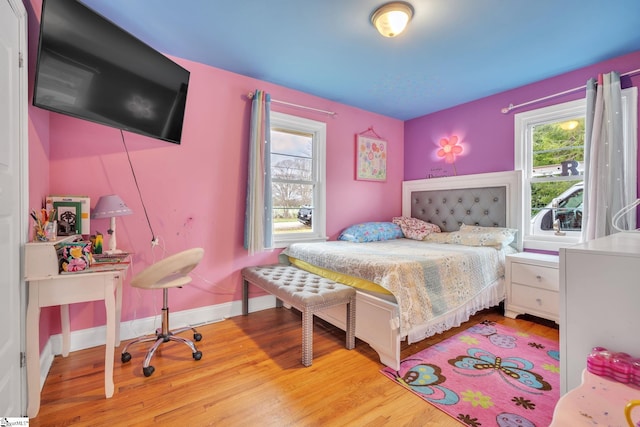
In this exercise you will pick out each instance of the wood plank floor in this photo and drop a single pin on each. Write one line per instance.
(250, 375)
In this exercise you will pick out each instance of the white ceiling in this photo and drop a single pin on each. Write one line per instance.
(453, 51)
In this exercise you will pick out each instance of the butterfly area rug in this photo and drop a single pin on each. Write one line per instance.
(487, 375)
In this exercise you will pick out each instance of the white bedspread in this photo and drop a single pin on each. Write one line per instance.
(427, 279)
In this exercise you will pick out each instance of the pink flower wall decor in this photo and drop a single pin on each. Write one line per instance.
(449, 150)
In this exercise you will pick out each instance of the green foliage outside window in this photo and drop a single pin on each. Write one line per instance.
(554, 143)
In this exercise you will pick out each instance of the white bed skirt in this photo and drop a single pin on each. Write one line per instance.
(489, 297)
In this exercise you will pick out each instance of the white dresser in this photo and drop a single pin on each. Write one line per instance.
(599, 301)
(532, 285)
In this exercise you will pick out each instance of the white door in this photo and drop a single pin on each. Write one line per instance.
(13, 202)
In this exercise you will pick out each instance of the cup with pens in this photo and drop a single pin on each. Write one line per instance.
(45, 226)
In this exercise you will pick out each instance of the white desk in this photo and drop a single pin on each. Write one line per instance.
(597, 401)
(50, 289)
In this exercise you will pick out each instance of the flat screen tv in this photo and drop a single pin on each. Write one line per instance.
(91, 69)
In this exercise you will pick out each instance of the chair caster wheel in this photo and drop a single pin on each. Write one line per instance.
(148, 371)
(125, 357)
(197, 336)
(197, 355)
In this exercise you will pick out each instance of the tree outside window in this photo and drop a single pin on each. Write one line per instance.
(297, 176)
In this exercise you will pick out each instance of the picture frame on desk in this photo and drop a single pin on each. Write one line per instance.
(83, 214)
(68, 216)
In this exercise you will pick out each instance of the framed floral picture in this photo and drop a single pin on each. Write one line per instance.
(371, 158)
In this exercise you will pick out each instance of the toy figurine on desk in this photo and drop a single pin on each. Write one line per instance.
(97, 241)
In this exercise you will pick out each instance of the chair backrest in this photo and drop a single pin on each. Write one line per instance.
(169, 272)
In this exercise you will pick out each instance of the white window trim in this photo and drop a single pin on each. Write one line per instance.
(522, 157)
(319, 132)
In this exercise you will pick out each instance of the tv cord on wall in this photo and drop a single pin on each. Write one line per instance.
(154, 239)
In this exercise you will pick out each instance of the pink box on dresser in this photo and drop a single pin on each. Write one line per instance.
(620, 367)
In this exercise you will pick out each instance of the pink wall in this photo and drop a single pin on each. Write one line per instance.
(487, 133)
(195, 192)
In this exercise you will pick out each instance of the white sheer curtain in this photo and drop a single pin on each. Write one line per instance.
(605, 191)
(258, 230)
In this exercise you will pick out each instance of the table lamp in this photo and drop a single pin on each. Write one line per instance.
(111, 206)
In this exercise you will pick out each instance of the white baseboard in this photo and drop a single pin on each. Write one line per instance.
(92, 337)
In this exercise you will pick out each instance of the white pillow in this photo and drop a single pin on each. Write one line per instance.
(472, 235)
(475, 235)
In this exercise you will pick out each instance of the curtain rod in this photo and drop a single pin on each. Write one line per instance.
(505, 110)
(329, 113)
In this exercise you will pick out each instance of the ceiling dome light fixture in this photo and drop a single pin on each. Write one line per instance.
(392, 18)
(569, 125)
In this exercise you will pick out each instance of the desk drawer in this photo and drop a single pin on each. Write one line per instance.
(72, 288)
(538, 300)
(535, 275)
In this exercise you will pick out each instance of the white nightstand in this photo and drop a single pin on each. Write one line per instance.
(533, 283)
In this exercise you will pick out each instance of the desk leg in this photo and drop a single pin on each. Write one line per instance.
(33, 352)
(119, 278)
(110, 305)
(66, 329)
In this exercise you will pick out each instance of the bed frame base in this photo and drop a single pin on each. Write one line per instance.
(377, 319)
(375, 325)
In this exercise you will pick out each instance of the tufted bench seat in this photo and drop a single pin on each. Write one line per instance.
(306, 292)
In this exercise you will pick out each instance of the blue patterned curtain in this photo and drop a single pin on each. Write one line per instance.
(258, 229)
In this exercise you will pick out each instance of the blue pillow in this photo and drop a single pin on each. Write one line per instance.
(371, 232)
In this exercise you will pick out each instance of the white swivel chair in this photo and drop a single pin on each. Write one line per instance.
(171, 272)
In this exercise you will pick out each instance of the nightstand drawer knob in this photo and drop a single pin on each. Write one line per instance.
(539, 301)
(539, 277)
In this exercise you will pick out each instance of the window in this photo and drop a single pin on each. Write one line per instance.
(298, 179)
(549, 149)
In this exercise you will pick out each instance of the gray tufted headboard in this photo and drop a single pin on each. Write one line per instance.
(490, 200)
(451, 208)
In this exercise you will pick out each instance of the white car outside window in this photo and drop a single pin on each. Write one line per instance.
(563, 214)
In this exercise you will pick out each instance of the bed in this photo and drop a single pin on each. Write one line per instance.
(456, 280)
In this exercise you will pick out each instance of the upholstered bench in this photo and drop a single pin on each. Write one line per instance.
(306, 292)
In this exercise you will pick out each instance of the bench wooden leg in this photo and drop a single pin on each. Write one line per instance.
(307, 337)
(245, 297)
(351, 324)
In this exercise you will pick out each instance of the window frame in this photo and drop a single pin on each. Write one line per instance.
(523, 158)
(318, 130)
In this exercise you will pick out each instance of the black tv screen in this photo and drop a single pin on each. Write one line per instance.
(91, 69)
